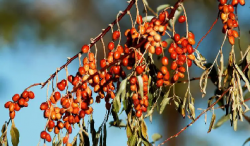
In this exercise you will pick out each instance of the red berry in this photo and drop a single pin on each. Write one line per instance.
(7, 104)
(173, 55)
(117, 55)
(164, 60)
(31, 95)
(125, 61)
(139, 19)
(111, 46)
(175, 77)
(223, 2)
(116, 35)
(85, 48)
(182, 19)
(12, 115)
(139, 70)
(138, 113)
(133, 80)
(15, 97)
(174, 65)
(25, 94)
(43, 134)
(158, 50)
(48, 138)
(103, 63)
(177, 37)
(60, 86)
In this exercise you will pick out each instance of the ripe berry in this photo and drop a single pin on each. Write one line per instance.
(125, 61)
(17, 107)
(81, 70)
(191, 41)
(158, 50)
(181, 69)
(223, 2)
(182, 19)
(85, 48)
(159, 83)
(175, 77)
(12, 107)
(164, 44)
(235, 33)
(139, 19)
(173, 55)
(31, 95)
(174, 65)
(231, 40)
(177, 37)
(242, 2)
(7, 104)
(164, 61)
(111, 46)
(139, 70)
(164, 70)
(60, 86)
(57, 95)
(25, 94)
(234, 2)
(117, 55)
(133, 80)
(162, 16)
(48, 138)
(15, 97)
(138, 113)
(12, 115)
(189, 63)
(43, 134)
(116, 35)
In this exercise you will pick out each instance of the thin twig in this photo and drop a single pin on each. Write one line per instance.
(183, 129)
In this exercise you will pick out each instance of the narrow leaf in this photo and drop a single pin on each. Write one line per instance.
(165, 101)
(192, 110)
(14, 133)
(147, 19)
(161, 7)
(243, 76)
(156, 137)
(129, 131)
(211, 123)
(203, 81)
(140, 81)
(144, 129)
(221, 121)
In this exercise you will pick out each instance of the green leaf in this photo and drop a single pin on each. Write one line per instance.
(3, 128)
(144, 129)
(140, 81)
(147, 19)
(129, 131)
(165, 101)
(146, 143)
(133, 139)
(156, 137)
(117, 124)
(243, 76)
(247, 140)
(211, 123)
(161, 7)
(14, 133)
(221, 121)
(117, 101)
(192, 110)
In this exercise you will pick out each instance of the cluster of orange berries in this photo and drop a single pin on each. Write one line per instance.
(18, 102)
(229, 19)
(140, 103)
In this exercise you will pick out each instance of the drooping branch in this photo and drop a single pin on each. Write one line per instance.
(183, 129)
(95, 40)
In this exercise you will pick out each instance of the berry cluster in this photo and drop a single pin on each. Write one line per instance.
(229, 19)
(140, 103)
(18, 102)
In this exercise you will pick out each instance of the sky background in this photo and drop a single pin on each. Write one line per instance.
(36, 37)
